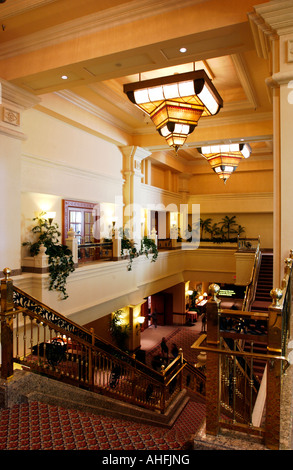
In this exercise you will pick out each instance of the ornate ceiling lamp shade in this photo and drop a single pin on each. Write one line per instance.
(176, 103)
(224, 159)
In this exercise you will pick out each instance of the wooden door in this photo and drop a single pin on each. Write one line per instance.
(163, 304)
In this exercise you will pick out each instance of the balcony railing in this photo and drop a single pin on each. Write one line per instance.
(95, 251)
(232, 383)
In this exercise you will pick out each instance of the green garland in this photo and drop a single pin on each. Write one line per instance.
(147, 247)
(60, 256)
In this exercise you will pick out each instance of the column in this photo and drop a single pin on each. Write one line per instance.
(13, 101)
(272, 27)
(6, 325)
(132, 162)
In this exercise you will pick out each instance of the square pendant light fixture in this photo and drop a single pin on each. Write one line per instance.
(176, 103)
(224, 159)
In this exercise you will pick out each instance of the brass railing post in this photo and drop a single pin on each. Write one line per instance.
(274, 372)
(181, 363)
(90, 367)
(163, 395)
(6, 325)
(213, 363)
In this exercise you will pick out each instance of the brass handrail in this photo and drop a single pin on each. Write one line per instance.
(87, 359)
(251, 286)
(197, 345)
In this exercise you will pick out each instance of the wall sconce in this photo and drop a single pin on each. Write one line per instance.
(50, 216)
(140, 320)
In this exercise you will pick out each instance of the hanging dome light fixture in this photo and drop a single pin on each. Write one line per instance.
(224, 159)
(176, 103)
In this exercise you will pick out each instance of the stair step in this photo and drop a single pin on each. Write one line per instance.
(30, 387)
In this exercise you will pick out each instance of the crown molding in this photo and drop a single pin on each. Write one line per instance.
(245, 80)
(93, 109)
(66, 169)
(121, 102)
(268, 22)
(18, 7)
(278, 14)
(19, 97)
(131, 11)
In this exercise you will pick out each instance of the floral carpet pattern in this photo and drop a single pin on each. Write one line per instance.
(184, 338)
(38, 426)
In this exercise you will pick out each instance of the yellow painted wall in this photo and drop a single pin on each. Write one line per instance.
(158, 177)
(258, 224)
(239, 182)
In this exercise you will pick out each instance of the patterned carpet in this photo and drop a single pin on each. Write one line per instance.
(38, 426)
(183, 337)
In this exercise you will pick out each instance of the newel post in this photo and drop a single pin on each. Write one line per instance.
(274, 372)
(213, 363)
(6, 325)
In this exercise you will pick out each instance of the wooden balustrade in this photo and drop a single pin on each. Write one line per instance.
(95, 251)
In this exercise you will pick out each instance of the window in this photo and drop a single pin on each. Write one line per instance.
(84, 218)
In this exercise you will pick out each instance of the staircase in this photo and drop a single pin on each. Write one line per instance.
(75, 361)
(261, 303)
(264, 284)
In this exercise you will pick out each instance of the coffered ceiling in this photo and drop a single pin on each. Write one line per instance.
(99, 46)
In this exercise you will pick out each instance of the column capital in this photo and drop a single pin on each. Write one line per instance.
(268, 22)
(10, 93)
(14, 100)
(133, 157)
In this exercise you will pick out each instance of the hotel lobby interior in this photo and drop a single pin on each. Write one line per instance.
(164, 205)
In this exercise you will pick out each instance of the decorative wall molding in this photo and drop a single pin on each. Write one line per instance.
(241, 203)
(9, 132)
(68, 169)
(245, 80)
(11, 117)
(93, 109)
(40, 175)
(280, 78)
(152, 195)
(10, 93)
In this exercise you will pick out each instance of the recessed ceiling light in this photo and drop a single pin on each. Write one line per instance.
(182, 49)
(64, 77)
